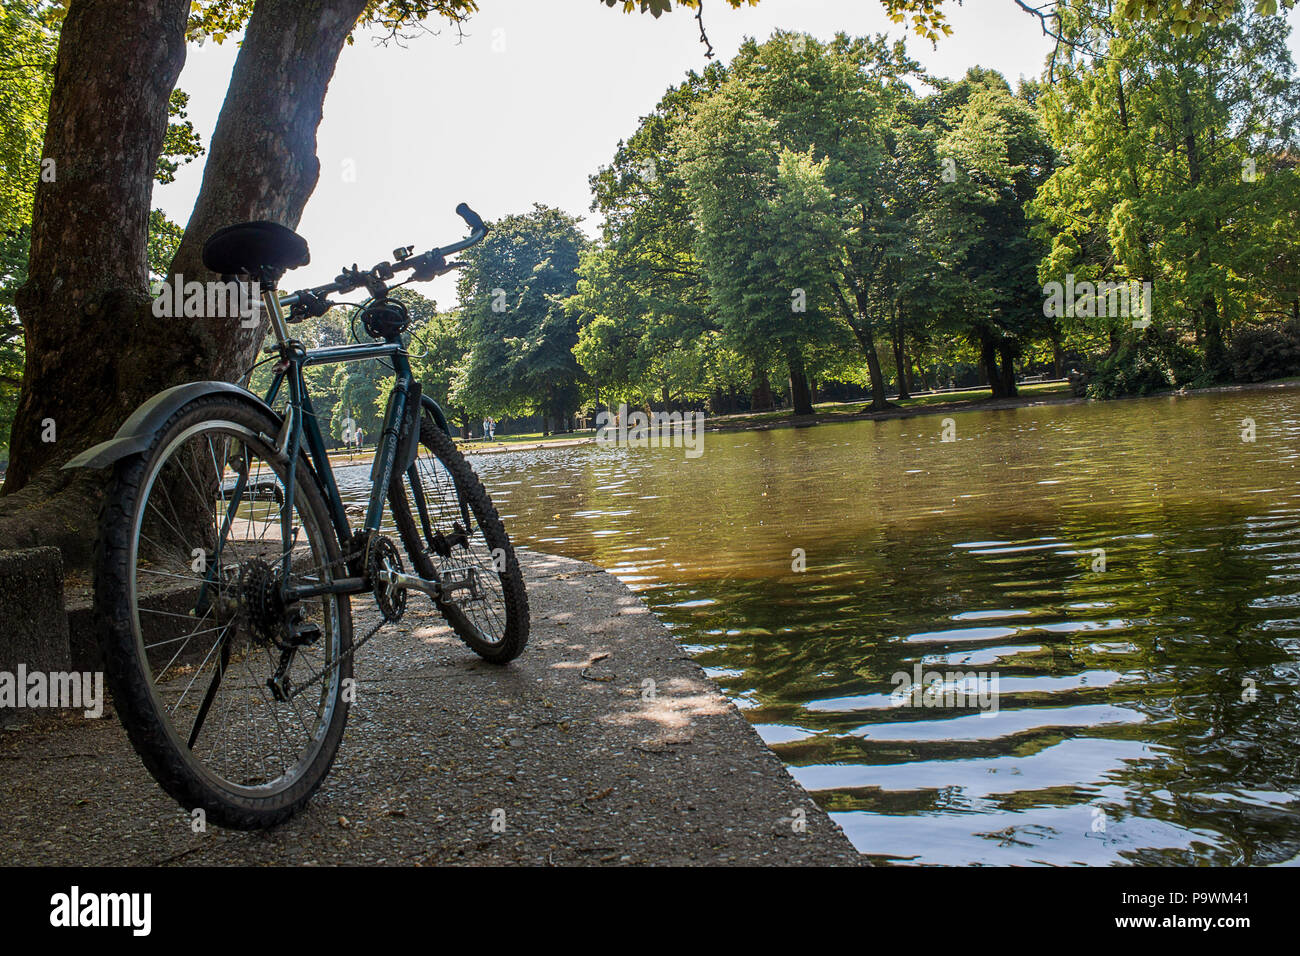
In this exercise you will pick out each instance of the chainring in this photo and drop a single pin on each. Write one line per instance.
(382, 555)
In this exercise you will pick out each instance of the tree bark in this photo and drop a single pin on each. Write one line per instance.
(860, 322)
(262, 159)
(1007, 350)
(95, 350)
(900, 360)
(1216, 357)
(761, 397)
(84, 306)
(800, 393)
(989, 363)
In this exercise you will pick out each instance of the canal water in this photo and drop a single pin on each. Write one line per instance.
(1069, 635)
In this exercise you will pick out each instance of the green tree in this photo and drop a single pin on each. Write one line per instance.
(647, 327)
(996, 154)
(520, 332)
(1177, 147)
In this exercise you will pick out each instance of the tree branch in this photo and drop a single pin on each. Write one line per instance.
(1050, 12)
(704, 37)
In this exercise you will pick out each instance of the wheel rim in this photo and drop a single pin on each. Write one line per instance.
(485, 615)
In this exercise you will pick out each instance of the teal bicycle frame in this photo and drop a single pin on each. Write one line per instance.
(301, 426)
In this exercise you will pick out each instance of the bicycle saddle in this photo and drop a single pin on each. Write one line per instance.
(255, 248)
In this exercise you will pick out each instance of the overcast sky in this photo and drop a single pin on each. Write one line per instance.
(526, 105)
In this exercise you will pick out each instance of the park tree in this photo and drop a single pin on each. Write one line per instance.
(805, 138)
(29, 33)
(1178, 150)
(646, 321)
(758, 259)
(521, 333)
(995, 154)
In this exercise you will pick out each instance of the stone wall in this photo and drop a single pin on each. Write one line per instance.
(33, 623)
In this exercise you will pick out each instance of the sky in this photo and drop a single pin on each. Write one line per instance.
(528, 103)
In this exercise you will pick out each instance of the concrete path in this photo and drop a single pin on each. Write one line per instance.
(587, 766)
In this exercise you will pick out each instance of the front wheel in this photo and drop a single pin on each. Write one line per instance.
(453, 534)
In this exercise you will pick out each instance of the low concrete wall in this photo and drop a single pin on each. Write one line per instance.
(33, 625)
(83, 641)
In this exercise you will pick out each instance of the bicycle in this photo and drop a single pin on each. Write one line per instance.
(225, 565)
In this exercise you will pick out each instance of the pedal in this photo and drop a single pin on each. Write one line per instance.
(449, 584)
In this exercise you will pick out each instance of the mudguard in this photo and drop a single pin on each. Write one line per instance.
(137, 432)
(436, 411)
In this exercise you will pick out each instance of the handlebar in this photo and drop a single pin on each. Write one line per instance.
(426, 266)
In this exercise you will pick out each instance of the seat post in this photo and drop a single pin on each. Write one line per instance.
(271, 302)
(269, 285)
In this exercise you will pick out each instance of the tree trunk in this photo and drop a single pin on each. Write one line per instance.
(262, 159)
(879, 401)
(84, 306)
(95, 349)
(761, 398)
(1216, 358)
(900, 360)
(1007, 351)
(800, 393)
(989, 362)
(860, 322)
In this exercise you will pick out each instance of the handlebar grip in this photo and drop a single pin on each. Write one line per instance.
(472, 219)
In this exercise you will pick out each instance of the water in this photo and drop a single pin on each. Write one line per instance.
(1145, 713)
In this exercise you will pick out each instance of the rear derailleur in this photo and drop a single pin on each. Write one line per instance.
(271, 622)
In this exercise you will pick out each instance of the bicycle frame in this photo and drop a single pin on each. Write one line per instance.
(301, 425)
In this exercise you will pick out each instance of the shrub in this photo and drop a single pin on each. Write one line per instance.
(1261, 352)
(1154, 362)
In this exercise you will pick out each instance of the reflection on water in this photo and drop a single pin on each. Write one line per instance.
(1147, 712)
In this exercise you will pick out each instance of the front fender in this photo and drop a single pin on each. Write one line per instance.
(137, 432)
(436, 411)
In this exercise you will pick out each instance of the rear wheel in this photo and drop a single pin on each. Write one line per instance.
(189, 573)
(453, 534)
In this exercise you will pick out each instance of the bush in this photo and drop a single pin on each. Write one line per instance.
(1261, 352)
(1155, 362)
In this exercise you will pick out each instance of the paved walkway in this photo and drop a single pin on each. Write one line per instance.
(587, 769)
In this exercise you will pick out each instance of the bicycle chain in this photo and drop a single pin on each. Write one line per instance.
(356, 645)
(318, 677)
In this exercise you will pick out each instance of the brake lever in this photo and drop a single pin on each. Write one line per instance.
(430, 266)
(309, 305)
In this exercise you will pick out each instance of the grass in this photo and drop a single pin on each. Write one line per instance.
(833, 410)
(524, 437)
(827, 411)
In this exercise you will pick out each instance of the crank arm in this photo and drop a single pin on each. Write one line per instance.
(412, 582)
(439, 591)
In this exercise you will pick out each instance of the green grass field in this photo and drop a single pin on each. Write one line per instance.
(824, 410)
(834, 410)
